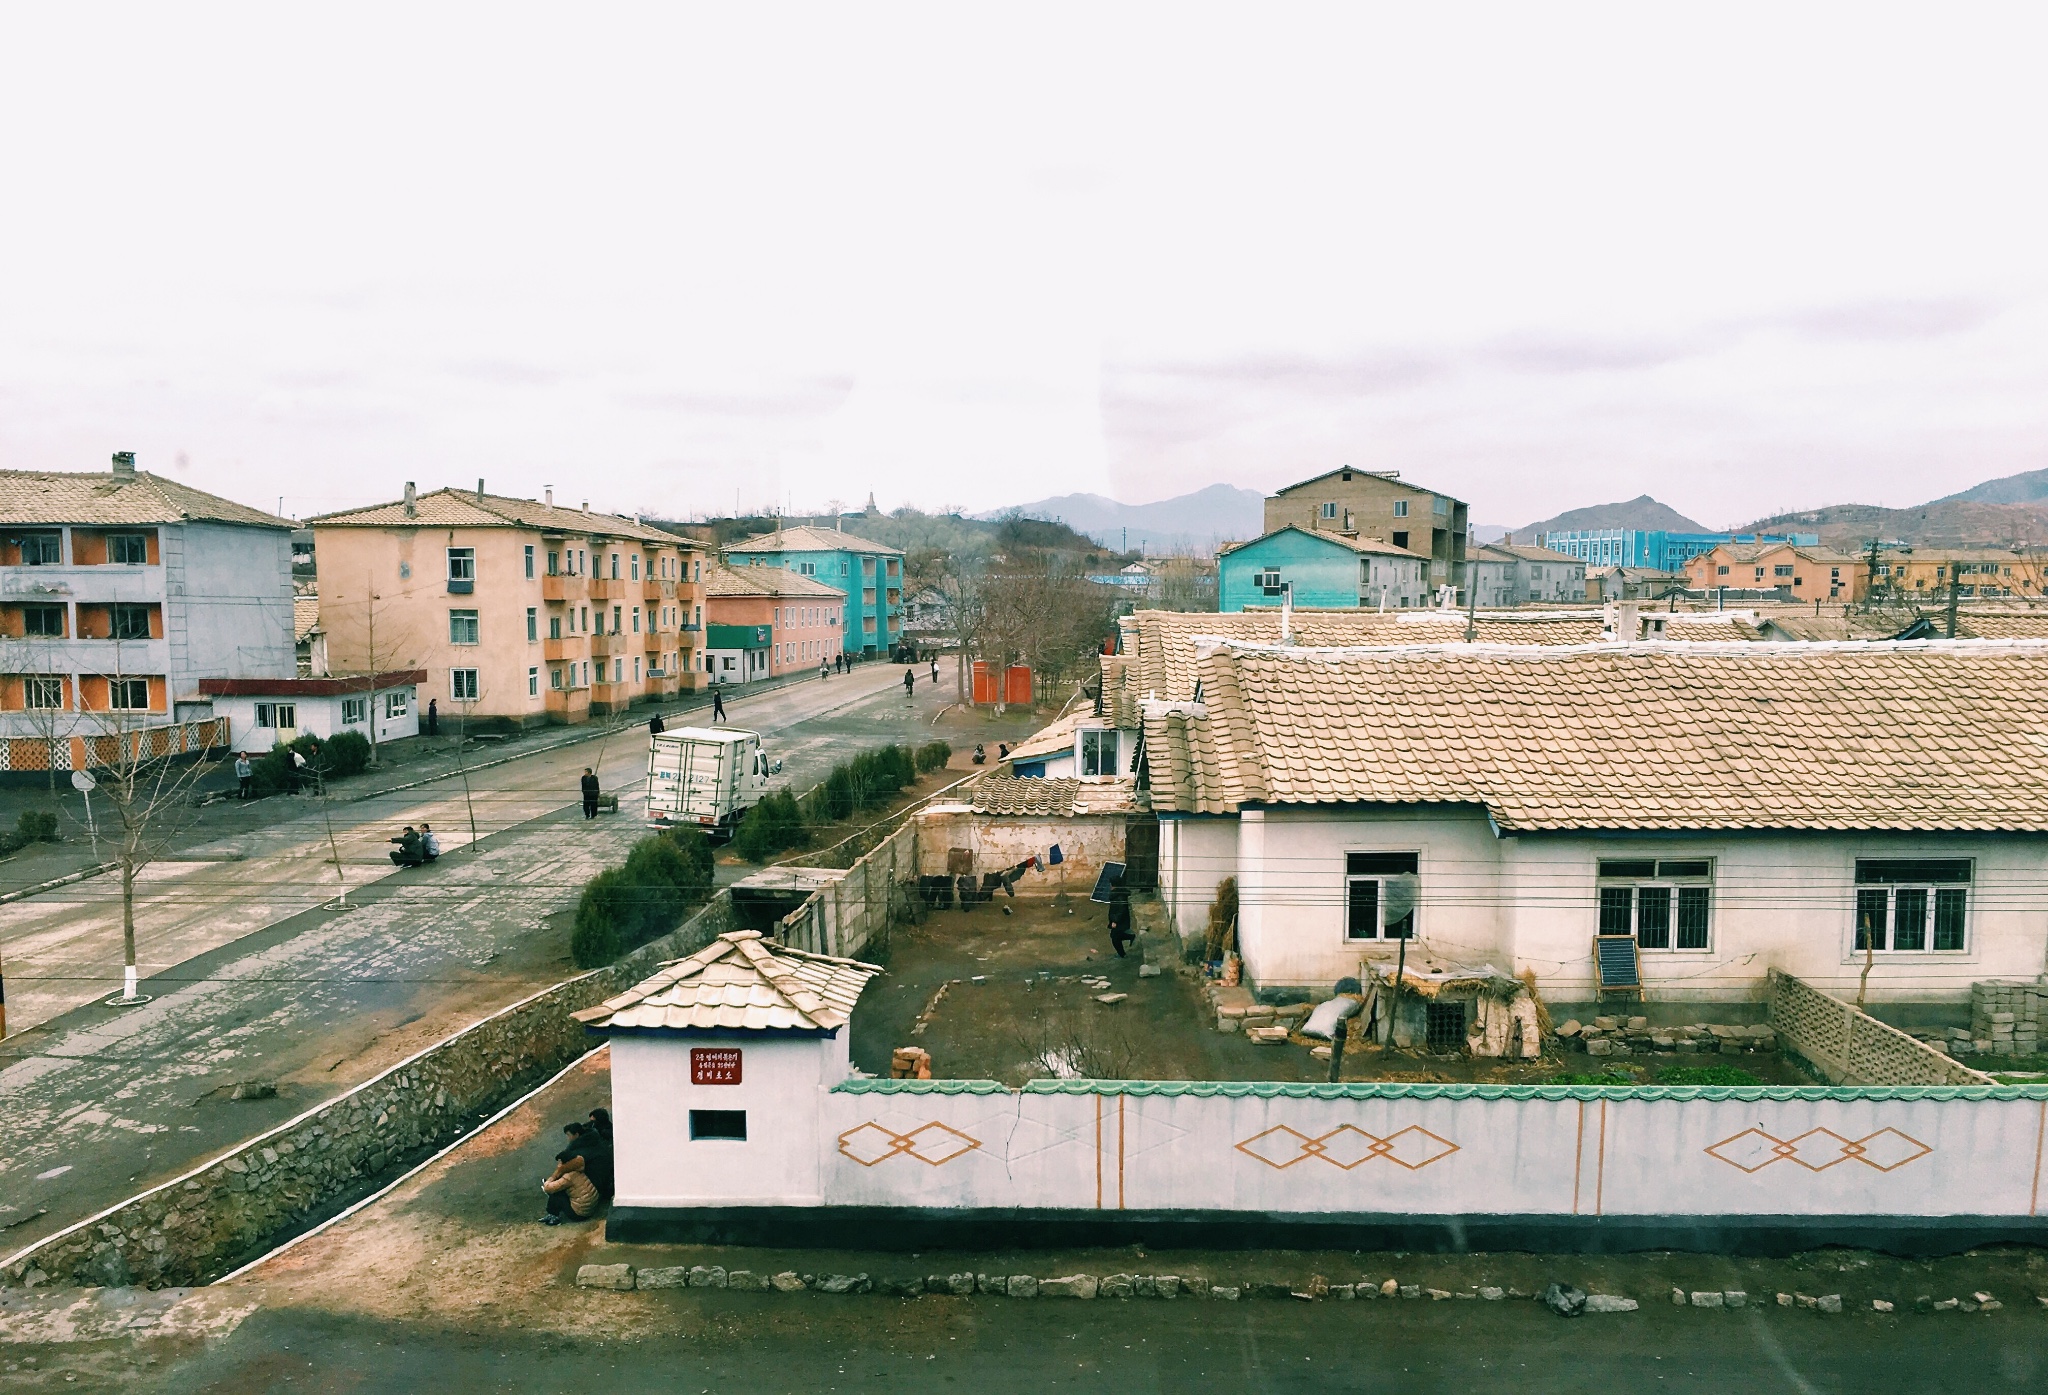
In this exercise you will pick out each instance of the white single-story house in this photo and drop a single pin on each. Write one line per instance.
(267, 712)
(1837, 811)
(719, 1062)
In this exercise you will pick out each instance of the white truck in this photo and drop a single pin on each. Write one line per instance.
(706, 777)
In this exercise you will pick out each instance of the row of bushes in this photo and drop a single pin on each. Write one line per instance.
(34, 826)
(344, 754)
(665, 877)
(871, 780)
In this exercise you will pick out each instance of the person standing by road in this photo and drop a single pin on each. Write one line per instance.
(656, 726)
(718, 704)
(590, 792)
(245, 774)
(909, 681)
(824, 670)
(433, 716)
(935, 670)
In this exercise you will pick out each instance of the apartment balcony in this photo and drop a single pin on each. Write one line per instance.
(653, 642)
(556, 587)
(603, 588)
(555, 650)
(605, 645)
(654, 589)
(102, 583)
(567, 704)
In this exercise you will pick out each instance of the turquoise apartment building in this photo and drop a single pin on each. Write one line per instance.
(869, 574)
(1324, 570)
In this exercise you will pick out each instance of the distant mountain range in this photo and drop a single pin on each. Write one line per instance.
(1642, 513)
(2028, 488)
(1197, 521)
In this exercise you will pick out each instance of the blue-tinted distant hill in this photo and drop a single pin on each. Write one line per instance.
(1197, 521)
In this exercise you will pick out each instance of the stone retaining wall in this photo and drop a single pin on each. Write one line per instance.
(198, 1226)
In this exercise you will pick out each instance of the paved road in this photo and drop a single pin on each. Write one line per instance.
(254, 979)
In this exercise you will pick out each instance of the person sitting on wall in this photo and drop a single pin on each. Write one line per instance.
(430, 842)
(572, 1194)
(410, 852)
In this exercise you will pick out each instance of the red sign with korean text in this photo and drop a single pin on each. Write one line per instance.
(714, 1065)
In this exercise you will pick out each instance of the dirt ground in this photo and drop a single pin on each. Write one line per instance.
(1008, 991)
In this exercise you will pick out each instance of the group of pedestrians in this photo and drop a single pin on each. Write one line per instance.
(416, 846)
(582, 1179)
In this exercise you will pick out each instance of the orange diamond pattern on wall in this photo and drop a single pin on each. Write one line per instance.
(1817, 1150)
(934, 1143)
(1347, 1147)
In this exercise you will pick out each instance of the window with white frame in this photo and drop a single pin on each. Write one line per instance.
(529, 561)
(1268, 581)
(1098, 751)
(462, 627)
(1380, 891)
(532, 625)
(462, 684)
(397, 705)
(1912, 905)
(1400, 508)
(128, 694)
(554, 678)
(462, 564)
(1666, 903)
(1329, 509)
(278, 714)
(533, 681)
(354, 711)
(43, 694)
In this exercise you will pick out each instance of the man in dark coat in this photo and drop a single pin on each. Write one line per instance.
(656, 726)
(433, 716)
(717, 704)
(590, 792)
(1120, 919)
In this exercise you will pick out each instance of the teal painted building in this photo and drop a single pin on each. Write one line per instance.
(1324, 570)
(868, 574)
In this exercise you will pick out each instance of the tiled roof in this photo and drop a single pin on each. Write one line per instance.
(464, 508)
(1365, 547)
(1907, 736)
(805, 538)
(1528, 552)
(1158, 646)
(756, 580)
(1056, 736)
(305, 616)
(50, 498)
(1998, 624)
(1700, 627)
(1750, 552)
(739, 982)
(1013, 794)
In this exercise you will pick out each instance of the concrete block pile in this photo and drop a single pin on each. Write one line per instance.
(2006, 1017)
(1238, 1011)
(1634, 1036)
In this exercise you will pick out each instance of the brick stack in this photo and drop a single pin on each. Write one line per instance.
(2006, 1016)
(910, 1063)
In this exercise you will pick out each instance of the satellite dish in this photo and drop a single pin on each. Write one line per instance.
(83, 783)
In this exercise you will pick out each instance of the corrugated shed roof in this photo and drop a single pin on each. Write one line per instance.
(724, 579)
(464, 508)
(739, 982)
(1912, 736)
(50, 498)
(805, 538)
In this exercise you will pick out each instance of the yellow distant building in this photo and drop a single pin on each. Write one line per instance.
(1925, 572)
(521, 613)
(1800, 573)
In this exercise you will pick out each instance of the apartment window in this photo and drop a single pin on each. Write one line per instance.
(397, 705)
(1720, 571)
(128, 549)
(46, 620)
(276, 714)
(618, 613)
(554, 627)
(1781, 571)
(618, 670)
(43, 694)
(585, 626)
(636, 668)
(532, 624)
(40, 549)
(354, 711)
(529, 561)
(1098, 752)
(461, 570)
(128, 621)
(462, 684)
(636, 620)
(1665, 903)
(1379, 895)
(1329, 510)
(586, 673)
(533, 682)
(462, 627)
(1909, 905)
(1400, 508)
(554, 678)
(554, 563)
(615, 566)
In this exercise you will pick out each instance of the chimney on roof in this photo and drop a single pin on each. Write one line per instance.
(549, 495)
(412, 501)
(586, 506)
(124, 465)
(479, 491)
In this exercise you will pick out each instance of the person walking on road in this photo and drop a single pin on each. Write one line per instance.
(656, 726)
(433, 716)
(824, 670)
(590, 792)
(1120, 918)
(718, 704)
(909, 680)
(935, 672)
(245, 774)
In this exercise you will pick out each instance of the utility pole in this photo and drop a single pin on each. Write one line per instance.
(1471, 601)
(1952, 597)
(1870, 579)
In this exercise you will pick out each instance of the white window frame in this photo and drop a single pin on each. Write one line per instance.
(140, 539)
(38, 685)
(354, 711)
(455, 619)
(1400, 508)
(1095, 747)
(529, 561)
(1379, 867)
(533, 681)
(1669, 879)
(397, 704)
(462, 685)
(462, 564)
(115, 684)
(1931, 891)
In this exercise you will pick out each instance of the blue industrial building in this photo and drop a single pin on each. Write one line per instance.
(868, 573)
(1656, 549)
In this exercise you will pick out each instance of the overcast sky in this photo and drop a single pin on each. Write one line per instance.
(1743, 258)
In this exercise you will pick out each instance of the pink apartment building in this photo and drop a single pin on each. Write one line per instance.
(762, 622)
